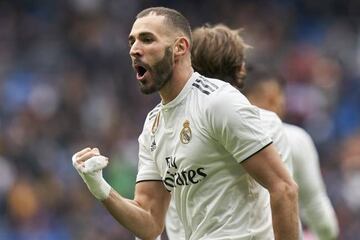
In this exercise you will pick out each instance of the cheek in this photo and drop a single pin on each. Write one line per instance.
(280, 105)
(281, 100)
(156, 52)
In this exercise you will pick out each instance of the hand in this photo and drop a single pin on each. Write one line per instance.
(89, 164)
(89, 160)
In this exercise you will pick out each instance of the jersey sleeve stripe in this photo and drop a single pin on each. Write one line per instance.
(257, 151)
(207, 81)
(154, 114)
(201, 89)
(204, 85)
(155, 109)
(148, 180)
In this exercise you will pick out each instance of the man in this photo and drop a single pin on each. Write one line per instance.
(203, 144)
(265, 89)
(218, 52)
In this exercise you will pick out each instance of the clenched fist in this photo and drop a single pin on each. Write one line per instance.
(89, 164)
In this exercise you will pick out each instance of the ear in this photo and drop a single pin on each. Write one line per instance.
(181, 47)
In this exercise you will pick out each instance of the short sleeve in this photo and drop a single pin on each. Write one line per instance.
(235, 123)
(147, 168)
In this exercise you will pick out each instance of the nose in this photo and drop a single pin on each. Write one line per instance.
(135, 50)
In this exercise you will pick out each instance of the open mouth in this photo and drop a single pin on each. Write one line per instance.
(140, 70)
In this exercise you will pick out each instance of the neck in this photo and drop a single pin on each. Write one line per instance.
(174, 86)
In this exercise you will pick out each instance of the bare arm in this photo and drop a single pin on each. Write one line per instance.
(267, 168)
(145, 215)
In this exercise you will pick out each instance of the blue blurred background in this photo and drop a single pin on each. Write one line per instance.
(66, 82)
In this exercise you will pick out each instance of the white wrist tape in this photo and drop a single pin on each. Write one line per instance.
(91, 172)
(93, 164)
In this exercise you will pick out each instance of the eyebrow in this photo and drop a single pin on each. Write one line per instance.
(142, 34)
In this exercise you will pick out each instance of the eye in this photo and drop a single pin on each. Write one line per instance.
(147, 39)
(131, 42)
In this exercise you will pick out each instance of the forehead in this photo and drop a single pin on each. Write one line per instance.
(154, 24)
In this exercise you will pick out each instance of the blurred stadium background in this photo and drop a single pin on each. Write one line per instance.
(66, 82)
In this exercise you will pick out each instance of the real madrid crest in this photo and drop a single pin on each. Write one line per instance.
(185, 134)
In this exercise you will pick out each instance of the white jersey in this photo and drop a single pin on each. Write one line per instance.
(315, 205)
(273, 126)
(194, 144)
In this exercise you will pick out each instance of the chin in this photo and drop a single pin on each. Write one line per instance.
(147, 89)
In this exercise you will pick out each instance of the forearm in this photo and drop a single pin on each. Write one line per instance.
(144, 216)
(132, 216)
(284, 208)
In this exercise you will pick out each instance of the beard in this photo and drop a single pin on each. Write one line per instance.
(161, 72)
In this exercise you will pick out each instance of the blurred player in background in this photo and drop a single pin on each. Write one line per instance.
(266, 90)
(203, 144)
(218, 52)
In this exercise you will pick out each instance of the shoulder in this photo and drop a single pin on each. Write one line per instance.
(295, 131)
(297, 134)
(271, 122)
(270, 116)
(216, 94)
(150, 118)
(152, 114)
(207, 86)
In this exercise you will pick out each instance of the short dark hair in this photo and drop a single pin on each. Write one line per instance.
(172, 17)
(218, 52)
(259, 74)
